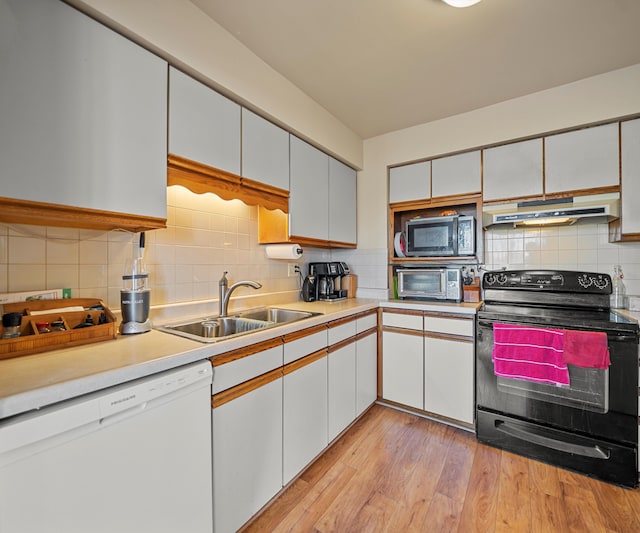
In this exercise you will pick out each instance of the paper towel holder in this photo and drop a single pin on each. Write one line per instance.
(284, 251)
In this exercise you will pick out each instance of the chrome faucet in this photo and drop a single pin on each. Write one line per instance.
(224, 294)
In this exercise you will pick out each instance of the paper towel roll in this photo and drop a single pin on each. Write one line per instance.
(284, 251)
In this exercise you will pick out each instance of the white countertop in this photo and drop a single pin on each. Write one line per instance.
(463, 308)
(34, 381)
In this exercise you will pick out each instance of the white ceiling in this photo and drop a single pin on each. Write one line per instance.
(384, 65)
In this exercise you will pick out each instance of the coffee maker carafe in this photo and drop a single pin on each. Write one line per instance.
(135, 296)
(328, 277)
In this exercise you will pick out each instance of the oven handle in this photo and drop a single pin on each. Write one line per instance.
(618, 338)
(587, 451)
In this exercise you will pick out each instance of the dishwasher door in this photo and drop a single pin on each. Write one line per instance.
(132, 458)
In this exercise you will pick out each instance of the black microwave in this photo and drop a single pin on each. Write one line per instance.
(441, 236)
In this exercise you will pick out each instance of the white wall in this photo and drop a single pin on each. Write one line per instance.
(178, 31)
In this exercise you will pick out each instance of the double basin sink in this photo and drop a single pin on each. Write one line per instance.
(219, 328)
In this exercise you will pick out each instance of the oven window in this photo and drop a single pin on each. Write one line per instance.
(588, 389)
(431, 237)
(428, 283)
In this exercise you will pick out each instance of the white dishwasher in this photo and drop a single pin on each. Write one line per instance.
(133, 458)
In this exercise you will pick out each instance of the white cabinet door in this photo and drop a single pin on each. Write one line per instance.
(449, 378)
(513, 171)
(630, 216)
(342, 389)
(82, 112)
(309, 191)
(265, 151)
(456, 174)
(305, 417)
(366, 372)
(403, 368)
(410, 182)
(582, 159)
(247, 455)
(342, 202)
(204, 126)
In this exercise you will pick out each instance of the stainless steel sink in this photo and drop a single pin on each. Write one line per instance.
(276, 314)
(218, 328)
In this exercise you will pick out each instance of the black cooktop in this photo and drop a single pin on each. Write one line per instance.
(559, 317)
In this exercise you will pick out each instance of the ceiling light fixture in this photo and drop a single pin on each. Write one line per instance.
(461, 3)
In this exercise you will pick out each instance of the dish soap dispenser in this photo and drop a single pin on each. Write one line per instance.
(618, 292)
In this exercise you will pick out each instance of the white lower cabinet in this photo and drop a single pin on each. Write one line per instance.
(431, 369)
(366, 371)
(305, 414)
(448, 378)
(403, 368)
(342, 388)
(247, 455)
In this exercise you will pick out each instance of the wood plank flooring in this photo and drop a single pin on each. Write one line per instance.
(396, 472)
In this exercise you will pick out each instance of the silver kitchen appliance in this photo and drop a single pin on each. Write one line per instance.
(135, 296)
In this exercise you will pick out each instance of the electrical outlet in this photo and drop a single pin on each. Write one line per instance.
(293, 269)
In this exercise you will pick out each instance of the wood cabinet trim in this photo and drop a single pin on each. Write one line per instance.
(366, 333)
(246, 351)
(244, 388)
(448, 337)
(556, 196)
(402, 331)
(295, 335)
(342, 321)
(16, 211)
(304, 361)
(444, 314)
(339, 345)
(395, 311)
(200, 178)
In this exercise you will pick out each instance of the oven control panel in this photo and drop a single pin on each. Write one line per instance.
(548, 280)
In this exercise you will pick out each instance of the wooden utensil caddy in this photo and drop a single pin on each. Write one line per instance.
(32, 341)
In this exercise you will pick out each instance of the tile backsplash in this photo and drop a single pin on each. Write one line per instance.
(204, 237)
(578, 247)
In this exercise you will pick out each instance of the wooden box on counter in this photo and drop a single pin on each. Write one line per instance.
(33, 341)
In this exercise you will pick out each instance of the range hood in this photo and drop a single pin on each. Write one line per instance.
(563, 211)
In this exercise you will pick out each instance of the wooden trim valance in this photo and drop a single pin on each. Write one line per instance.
(14, 211)
(200, 178)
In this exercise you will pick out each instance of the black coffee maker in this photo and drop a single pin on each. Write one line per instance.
(327, 278)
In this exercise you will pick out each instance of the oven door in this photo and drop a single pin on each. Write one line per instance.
(598, 403)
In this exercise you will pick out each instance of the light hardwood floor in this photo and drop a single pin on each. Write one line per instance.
(396, 472)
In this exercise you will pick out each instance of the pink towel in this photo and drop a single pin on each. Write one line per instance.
(588, 349)
(533, 354)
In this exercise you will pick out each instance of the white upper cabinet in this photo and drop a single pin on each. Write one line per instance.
(582, 159)
(456, 174)
(265, 151)
(513, 171)
(342, 204)
(630, 176)
(309, 192)
(204, 126)
(82, 112)
(410, 182)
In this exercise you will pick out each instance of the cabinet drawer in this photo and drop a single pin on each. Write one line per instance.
(366, 322)
(452, 326)
(402, 320)
(240, 370)
(298, 348)
(341, 332)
